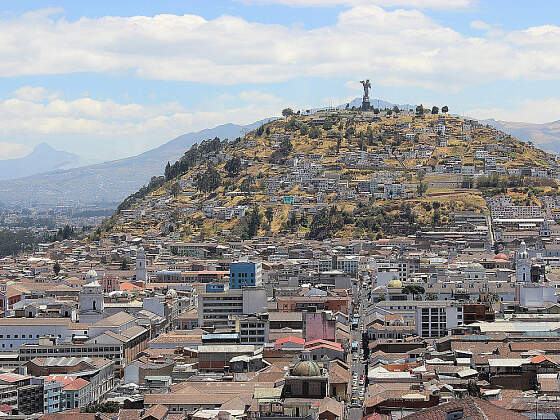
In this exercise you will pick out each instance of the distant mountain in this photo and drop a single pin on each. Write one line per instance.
(376, 103)
(42, 159)
(108, 182)
(546, 136)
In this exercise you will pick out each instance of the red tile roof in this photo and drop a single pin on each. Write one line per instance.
(316, 343)
(471, 408)
(541, 358)
(290, 339)
(79, 383)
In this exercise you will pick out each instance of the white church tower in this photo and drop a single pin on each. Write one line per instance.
(141, 269)
(522, 265)
(92, 304)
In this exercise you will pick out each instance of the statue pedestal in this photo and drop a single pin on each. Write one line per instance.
(366, 106)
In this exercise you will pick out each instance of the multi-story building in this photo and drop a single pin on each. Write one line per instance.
(214, 308)
(99, 372)
(15, 332)
(253, 328)
(52, 397)
(46, 348)
(244, 273)
(436, 319)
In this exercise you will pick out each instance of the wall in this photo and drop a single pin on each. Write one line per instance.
(317, 326)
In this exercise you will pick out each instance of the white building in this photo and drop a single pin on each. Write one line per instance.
(522, 265)
(533, 296)
(214, 307)
(141, 269)
(436, 319)
(17, 331)
(92, 303)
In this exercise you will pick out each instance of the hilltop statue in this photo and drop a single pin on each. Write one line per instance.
(365, 100)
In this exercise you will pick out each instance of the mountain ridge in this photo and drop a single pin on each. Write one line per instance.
(43, 158)
(108, 182)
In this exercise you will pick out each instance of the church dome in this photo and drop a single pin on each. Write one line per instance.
(306, 368)
(91, 274)
(395, 283)
(171, 293)
(475, 267)
(501, 256)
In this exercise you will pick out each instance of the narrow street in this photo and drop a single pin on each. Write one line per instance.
(355, 410)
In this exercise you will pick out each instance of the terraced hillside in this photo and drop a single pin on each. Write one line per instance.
(342, 173)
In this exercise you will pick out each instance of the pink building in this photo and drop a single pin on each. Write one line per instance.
(319, 326)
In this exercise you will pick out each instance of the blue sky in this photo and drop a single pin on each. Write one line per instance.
(110, 79)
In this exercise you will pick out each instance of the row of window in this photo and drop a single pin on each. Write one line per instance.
(70, 350)
(22, 336)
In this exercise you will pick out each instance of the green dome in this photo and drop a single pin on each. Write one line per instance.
(306, 368)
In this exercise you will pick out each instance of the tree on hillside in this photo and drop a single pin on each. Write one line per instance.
(338, 143)
(56, 268)
(168, 171)
(436, 217)
(175, 189)
(269, 214)
(233, 166)
(445, 109)
(286, 146)
(248, 184)
(396, 109)
(327, 222)
(420, 110)
(435, 110)
(209, 180)
(421, 175)
(315, 132)
(254, 222)
(287, 112)
(421, 189)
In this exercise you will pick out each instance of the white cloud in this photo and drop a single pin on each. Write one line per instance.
(353, 85)
(13, 150)
(34, 93)
(530, 110)
(479, 24)
(258, 96)
(397, 47)
(119, 129)
(426, 4)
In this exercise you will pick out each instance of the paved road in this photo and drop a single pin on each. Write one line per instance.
(358, 366)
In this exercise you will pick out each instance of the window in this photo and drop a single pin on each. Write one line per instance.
(454, 415)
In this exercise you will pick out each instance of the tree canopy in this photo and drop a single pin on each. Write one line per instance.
(209, 180)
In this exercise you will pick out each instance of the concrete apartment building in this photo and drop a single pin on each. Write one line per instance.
(215, 307)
